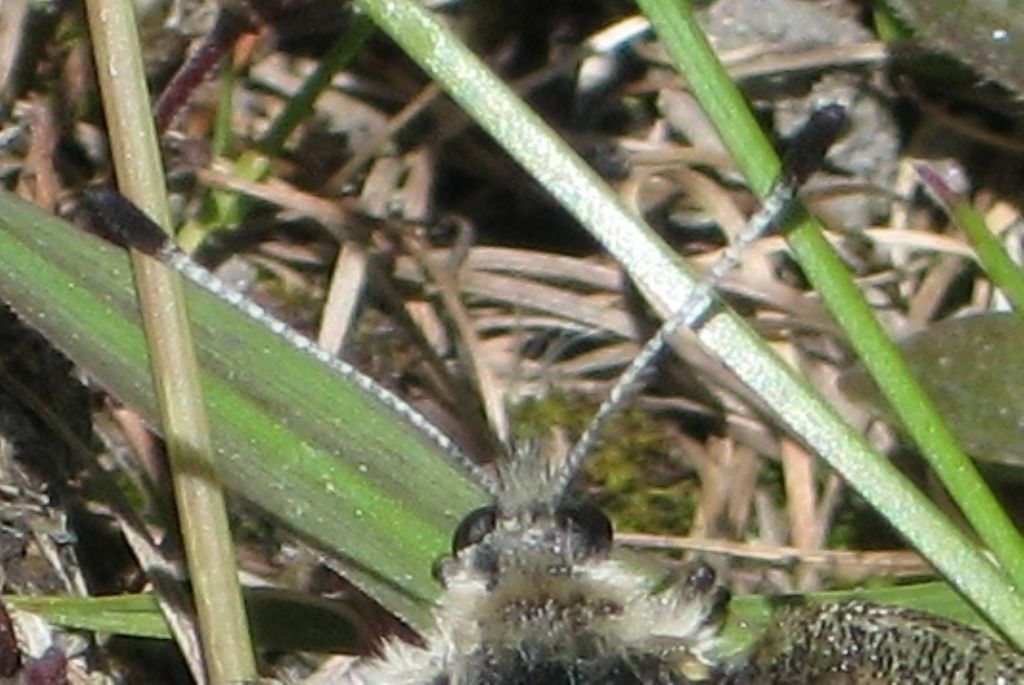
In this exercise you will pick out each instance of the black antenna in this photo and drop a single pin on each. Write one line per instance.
(117, 220)
(804, 155)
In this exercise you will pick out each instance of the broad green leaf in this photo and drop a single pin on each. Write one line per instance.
(974, 369)
(987, 35)
(312, 448)
(280, 619)
(289, 621)
(137, 615)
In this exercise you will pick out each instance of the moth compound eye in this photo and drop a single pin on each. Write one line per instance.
(474, 527)
(437, 570)
(588, 523)
(701, 578)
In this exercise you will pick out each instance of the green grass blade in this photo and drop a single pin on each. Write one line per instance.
(201, 506)
(137, 615)
(992, 256)
(676, 24)
(666, 283)
(280, 619)
(310, 447)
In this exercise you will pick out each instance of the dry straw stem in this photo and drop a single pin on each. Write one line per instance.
(227, 648)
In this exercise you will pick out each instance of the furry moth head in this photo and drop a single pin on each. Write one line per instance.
(533, 594)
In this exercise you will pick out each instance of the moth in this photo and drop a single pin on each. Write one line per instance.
(534, 594)
(534, 591)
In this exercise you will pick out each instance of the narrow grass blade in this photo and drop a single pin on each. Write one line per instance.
(312, 448)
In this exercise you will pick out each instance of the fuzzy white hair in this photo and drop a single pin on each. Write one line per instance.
(536, 594)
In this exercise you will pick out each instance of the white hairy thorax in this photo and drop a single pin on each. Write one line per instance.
(532, 594)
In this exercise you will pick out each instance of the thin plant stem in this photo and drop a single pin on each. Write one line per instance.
(677, 27)
(665, 282)
(1004, 272)
(227, 647)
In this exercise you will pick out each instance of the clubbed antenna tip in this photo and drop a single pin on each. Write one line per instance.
(803, 157)
(807, 150)
(114, 218)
